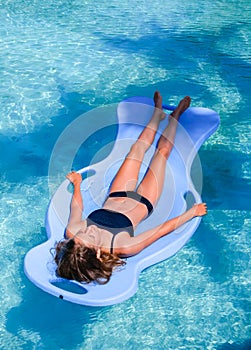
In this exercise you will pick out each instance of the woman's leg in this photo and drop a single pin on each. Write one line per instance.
(127, 176)
(152, 183)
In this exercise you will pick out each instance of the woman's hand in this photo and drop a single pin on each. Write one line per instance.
(199, 209)
(74, 177)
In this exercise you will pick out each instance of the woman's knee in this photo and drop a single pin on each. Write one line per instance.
(165, 147)
(138, 149)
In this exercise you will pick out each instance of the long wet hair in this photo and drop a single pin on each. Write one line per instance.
(80, 263)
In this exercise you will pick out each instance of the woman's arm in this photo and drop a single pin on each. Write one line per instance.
(133, 245)
(76, 209)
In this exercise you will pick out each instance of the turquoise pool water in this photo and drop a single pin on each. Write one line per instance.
(61, 59)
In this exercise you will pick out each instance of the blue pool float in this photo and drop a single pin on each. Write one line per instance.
(196, 125)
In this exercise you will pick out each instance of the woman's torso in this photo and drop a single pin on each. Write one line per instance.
(133, 210)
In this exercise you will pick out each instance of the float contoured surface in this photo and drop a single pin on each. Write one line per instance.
(196, 125)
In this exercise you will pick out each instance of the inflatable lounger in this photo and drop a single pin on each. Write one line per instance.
(195, 126)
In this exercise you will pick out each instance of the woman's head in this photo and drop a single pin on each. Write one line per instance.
(78, 262)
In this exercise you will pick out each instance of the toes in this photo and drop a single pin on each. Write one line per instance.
(156, 96)
(187, 99)
(157, 99)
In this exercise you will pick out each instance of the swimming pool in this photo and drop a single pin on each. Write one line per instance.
(61, 59)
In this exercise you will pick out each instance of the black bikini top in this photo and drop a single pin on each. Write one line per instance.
(111, 221)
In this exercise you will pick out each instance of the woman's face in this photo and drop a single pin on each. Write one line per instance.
(90, 237)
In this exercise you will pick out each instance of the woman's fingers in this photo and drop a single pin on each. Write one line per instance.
(74, 177)
(200, 209)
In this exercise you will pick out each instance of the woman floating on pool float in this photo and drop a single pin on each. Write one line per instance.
(95, 246)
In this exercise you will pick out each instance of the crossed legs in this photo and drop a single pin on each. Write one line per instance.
(151, 186)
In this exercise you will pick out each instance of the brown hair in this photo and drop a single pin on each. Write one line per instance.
(80, 263)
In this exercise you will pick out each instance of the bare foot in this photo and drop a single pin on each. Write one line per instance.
(182, 106)
(158, 103)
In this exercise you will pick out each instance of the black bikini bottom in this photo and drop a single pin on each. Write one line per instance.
(136, 196)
